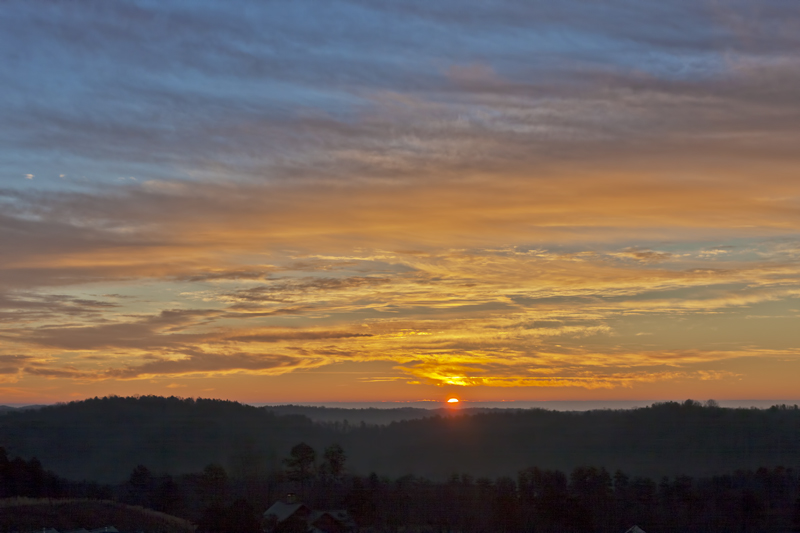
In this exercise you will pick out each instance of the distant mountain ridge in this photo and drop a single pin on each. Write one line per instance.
(373, 415)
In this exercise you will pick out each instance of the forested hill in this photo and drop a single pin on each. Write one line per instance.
(104, 439)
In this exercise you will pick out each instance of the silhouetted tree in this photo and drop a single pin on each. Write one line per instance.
(140, 485)
(333, 461)
(241, 517)
(591, 491)
(360, 503)
(506, 511)
(796, 515)
(752, 511)
(213, 484)
(300, 465)
(212, 520)
(167, 496)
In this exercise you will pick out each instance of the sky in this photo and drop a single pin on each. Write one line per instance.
(364, 201)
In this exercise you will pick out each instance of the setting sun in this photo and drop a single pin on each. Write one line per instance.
(452, 400)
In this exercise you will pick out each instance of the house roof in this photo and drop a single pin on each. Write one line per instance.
(283, 510)
(340, 516)
(635, 529)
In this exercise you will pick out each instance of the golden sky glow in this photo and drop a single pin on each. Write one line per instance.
(491, 222)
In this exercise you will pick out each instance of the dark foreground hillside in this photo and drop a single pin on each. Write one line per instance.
(25, 514)
(104, 439)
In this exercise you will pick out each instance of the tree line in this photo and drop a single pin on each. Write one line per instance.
(21, 478)
(586, 499)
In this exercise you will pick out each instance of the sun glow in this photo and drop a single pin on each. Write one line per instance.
(452, 400)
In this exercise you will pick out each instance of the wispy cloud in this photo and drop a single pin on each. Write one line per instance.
(487, 194)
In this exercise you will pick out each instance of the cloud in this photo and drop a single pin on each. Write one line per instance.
(514, 194)
(381, 111)
(466, 376)
(307, 289)
(8, 359)
(11, 367)
(280, 336)
(159, 331)
(516, 308)
(63, 373)
(235, 274)
(205, 364)
(643, 256)
(23, 307)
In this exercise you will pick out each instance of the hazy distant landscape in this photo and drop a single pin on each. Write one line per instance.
(161, 452)
(104, 439)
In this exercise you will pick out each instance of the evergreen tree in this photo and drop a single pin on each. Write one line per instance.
(300, 465)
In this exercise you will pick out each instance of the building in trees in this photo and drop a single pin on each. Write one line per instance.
(291, 516)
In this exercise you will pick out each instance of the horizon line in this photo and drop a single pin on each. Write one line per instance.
(492, 404)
